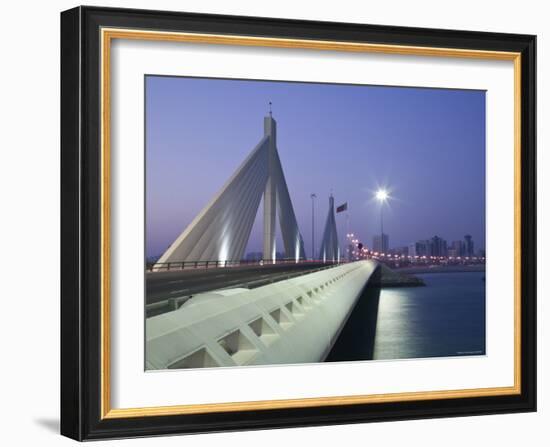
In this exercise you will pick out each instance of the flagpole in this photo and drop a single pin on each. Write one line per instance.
(313, 196)
(339, 209)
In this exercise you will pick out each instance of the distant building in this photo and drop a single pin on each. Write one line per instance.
(469, 245)
(438, 246)
(457, 249)
(400, 251)
(422, 248)
(381, 243)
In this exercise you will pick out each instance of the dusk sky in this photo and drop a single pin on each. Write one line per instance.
(426, 146)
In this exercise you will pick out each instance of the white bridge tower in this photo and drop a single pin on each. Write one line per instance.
(221, 230)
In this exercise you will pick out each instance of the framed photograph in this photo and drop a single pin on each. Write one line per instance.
(276, 223)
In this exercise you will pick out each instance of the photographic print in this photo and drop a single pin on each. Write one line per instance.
(295, 222)
(273, 223)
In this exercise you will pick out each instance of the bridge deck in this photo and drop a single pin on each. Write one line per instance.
(290, 321)
(161, 286)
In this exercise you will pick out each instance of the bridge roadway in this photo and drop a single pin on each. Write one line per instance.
(161, 286)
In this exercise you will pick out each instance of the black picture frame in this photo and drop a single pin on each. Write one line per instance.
(81, 390)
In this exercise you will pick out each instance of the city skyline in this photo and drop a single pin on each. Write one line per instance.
(427, 146)
(377, 245)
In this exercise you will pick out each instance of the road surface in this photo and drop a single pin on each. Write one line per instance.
(161, 286)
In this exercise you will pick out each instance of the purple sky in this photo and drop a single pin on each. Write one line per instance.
(426, 146)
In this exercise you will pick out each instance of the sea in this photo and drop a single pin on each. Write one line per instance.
(444, 318)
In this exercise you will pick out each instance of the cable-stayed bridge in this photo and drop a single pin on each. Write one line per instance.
(222, 229)
(185, 296)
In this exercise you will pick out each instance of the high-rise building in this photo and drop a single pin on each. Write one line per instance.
(423, 248)
(468, 246)
(438, 246)
(381, 243)
(458, 248)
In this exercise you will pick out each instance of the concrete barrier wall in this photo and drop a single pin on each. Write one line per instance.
(291, 321)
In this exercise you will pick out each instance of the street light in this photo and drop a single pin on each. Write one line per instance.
(382, 196)
(313, 196)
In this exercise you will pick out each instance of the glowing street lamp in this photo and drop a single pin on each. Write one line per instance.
(382, 196)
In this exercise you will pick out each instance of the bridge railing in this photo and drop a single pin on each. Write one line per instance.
(181, 265)
(175, 302)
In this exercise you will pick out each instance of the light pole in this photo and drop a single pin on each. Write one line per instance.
(382, 197)
(313, 196)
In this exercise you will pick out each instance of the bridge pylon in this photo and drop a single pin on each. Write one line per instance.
(222, 229)
(330, 250)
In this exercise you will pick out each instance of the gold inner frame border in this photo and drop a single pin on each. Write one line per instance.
(107, 35)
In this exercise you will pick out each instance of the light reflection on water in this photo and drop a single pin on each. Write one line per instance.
(445, 318)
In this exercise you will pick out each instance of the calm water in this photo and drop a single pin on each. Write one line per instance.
(445, 318)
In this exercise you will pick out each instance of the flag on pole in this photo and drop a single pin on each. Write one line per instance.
(342, 207)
